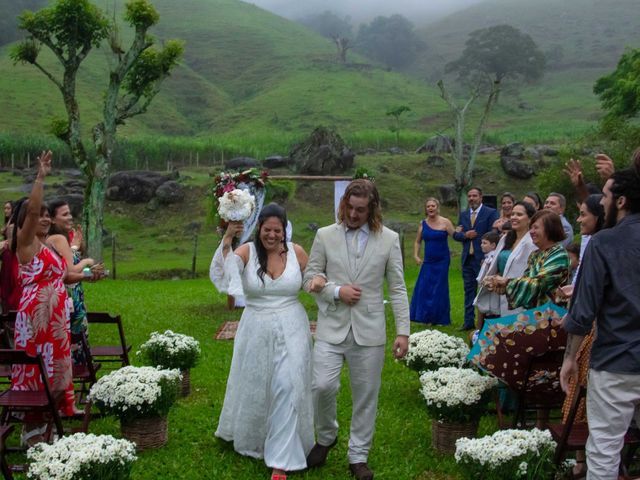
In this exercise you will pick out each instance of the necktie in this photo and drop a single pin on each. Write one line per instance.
(355, 246)
(473, 222)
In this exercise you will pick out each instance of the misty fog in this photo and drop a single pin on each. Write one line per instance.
(423, 11)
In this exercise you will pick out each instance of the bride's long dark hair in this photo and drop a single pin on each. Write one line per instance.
(273, 210)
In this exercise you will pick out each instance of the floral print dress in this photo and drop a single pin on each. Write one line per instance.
(42, 326)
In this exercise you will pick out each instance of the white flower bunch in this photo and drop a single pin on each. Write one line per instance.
(508, 453)
(82, 456)
(452, 386)
(432, 349)
(455, 394)
(236, 205)
(171, 350)
(136, 391)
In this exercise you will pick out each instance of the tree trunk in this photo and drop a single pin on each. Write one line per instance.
(94, 209)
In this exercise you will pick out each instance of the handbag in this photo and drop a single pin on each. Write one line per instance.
(487, 302)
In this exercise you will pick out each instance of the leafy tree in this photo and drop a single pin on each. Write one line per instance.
(619, 91)
(71, 29)
(328, 24)
(498, 53)
(491, 55)
(396, 112)
(390, 40)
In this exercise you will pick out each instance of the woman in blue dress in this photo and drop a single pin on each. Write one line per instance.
(430, 301)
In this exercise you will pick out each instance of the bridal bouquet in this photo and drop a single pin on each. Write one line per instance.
(236, 205)
(456, 395)
(82, 457)
(432, 349)
(136, 392)
(171, 350)
(516, 454)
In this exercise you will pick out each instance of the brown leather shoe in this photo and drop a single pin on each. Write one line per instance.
(318, 454)
(361, 471)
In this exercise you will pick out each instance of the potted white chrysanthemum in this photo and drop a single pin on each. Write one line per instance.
(513, 454)
(432, 349)
(172, 350)
(141, 398)
(456, 398)
(82, 457)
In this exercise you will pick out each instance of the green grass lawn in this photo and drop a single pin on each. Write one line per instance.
(401, 447)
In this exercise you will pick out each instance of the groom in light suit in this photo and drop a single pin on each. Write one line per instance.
(347, 266)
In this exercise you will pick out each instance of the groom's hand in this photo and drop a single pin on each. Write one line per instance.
(400, 346)
(350, 294)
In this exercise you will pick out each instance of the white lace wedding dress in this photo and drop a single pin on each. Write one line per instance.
(268, 411)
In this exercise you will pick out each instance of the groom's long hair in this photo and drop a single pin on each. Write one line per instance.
(363, 188)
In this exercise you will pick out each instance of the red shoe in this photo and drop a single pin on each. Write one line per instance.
(278, 476)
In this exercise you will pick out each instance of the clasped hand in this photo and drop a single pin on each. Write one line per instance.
(317, 284)
(350, 294)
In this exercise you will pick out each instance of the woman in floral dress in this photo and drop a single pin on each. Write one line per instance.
(42, 323)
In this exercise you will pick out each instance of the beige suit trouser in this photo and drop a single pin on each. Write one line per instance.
(365, 370)
(612, 401)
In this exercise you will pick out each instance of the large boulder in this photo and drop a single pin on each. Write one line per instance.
(276, 161)
(240, 163)
(170, 192)
(448, 195)
(135, 186)
(72, 187)
(517, 168)
(513, 150)
(322, 153)
(437, 144)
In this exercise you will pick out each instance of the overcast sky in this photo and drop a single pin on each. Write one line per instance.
(364, 10)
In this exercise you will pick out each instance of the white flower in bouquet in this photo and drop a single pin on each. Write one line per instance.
(508, 453)
(82, 456)
(236, 205)
(136, 391)
(171, 350)
(432, 349)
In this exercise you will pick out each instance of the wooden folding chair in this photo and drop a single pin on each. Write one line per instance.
(5, 431)
(19, 403)
(571, 436)
(85, 374)
(109, 353)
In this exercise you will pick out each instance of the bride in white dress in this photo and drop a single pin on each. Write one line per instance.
(268, 411)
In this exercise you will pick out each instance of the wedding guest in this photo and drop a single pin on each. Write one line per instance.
(430, 300)
(507, 202)
(268, 410)
(547, 268)
(58, 240)
(534, 199)
(606, 293)
(10, 288)
(474, 222)
(591, 221)
(8, 210)
(573, 250)
(557, 203)
(42, 322)
(488, 244)
(354, 256)
(509, 261)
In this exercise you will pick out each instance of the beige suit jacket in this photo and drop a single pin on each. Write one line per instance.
(381, 259)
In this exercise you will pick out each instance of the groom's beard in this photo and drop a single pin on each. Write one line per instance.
(611, 216)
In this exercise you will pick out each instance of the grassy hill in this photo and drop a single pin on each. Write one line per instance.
(243, 68)
(583, 40)
(250, 78)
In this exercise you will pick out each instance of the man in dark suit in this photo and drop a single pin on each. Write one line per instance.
(473, 223)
